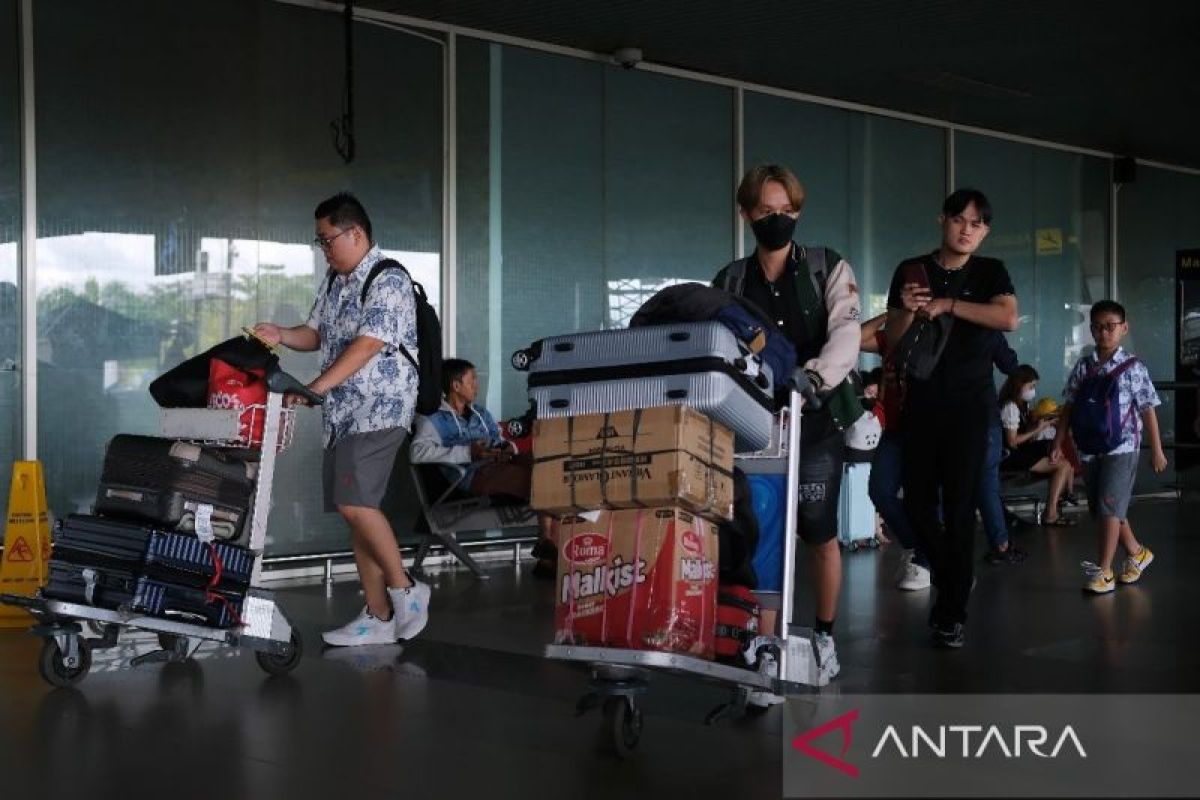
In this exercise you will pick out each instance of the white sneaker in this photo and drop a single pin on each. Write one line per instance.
(363, 629)
(827, 660)
(912, 577)
(761, 697)
(410, 609)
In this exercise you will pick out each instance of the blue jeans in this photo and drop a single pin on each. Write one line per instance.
(991, 509)
(884, 488)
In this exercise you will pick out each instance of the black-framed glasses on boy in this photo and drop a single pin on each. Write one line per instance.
(324, 243)
(1107, 327)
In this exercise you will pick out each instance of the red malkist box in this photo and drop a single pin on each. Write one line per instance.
(643, 579)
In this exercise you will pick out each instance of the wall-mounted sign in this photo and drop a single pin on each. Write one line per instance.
(1049, 241)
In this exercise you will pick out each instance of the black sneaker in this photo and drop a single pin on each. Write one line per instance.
(1012, 555)
(949, 636)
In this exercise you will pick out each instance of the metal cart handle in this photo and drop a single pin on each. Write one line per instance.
(282, 382)
(800, 383)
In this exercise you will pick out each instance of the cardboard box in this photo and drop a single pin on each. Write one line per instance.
(667, 455)
(643, 579)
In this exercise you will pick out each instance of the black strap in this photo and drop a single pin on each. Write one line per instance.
(726, 599)
(387, 263)
(812, 304)
(812, 294)
(633, 466)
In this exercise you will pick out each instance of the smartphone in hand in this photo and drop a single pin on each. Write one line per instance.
(915, 273)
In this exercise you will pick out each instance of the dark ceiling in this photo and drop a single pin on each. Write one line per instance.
(1119, 77)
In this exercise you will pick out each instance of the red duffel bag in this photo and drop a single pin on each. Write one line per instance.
(230, 387)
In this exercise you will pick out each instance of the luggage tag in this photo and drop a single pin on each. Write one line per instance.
(90, 579)
(204, 526)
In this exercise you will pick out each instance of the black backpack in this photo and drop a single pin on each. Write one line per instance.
(429, 338)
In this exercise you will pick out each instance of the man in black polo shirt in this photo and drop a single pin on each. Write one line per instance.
(812, 296)
(946, 415)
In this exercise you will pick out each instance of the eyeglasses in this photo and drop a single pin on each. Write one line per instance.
(324, 243)
(1107, 327)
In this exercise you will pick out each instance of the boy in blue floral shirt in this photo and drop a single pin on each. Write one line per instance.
(1109, 476)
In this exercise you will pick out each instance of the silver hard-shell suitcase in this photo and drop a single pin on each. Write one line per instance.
(698, 364)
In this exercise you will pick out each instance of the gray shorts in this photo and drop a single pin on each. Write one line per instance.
(357, 468)
(1109, 482)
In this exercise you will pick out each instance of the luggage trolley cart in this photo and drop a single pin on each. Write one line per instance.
(620, 676)
(66, 656)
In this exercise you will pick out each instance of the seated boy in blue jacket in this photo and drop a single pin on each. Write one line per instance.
(466, 435)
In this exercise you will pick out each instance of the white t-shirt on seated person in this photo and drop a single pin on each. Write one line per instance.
(1010, 419)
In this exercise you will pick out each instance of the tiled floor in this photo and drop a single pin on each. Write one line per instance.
(473, 709)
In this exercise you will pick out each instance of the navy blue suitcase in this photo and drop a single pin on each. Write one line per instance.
(217, 609)
(185, 559)
(87, 540)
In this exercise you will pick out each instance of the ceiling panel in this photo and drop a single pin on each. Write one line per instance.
(1119, 77)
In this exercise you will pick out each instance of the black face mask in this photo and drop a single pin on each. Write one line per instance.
(774, 231)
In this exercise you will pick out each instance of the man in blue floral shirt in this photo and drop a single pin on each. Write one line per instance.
(370, 390)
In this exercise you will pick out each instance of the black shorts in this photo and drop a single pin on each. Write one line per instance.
(1025, 456)
(822, 456)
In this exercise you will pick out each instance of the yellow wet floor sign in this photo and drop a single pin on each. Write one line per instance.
(26, 540)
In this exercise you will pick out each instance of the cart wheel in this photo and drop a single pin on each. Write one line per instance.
(622, 727)
(282, 664)
(52, 664)
(754, 710)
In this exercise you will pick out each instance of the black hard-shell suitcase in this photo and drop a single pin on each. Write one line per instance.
(698, 364)
(97, 541)
(218, 609)
(177, 485)
(106, 587)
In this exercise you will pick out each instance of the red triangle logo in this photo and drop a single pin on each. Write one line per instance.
(842, 723)
(20, 552)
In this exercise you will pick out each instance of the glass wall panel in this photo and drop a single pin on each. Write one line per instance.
(873, 184)
(1158, 214)
(668, 188)
(176, 186)
(10, 235)
(1051, 230)
(583, 189)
